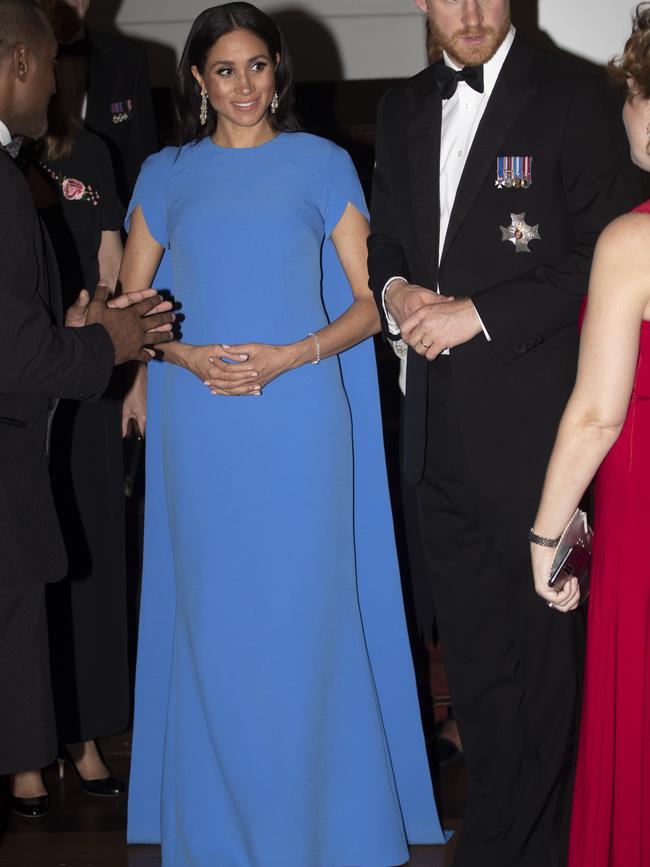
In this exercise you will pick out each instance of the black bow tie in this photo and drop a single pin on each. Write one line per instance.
(13, 147)
(447, 78)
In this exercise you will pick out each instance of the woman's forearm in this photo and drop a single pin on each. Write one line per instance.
(175, 352)
(358, 322)
(580, 448)
(110, 257)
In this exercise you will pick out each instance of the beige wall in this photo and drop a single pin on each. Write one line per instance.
(333, 39)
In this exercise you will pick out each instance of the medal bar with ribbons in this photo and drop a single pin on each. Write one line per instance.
(514, 172)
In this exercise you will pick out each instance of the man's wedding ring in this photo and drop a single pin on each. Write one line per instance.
(426, 345)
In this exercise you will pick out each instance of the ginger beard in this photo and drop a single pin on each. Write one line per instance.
(469, 55)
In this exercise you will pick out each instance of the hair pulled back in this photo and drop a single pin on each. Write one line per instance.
(210, 26)
(634, 63)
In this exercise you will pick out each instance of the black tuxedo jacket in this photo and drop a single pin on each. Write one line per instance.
(120, 108)
(39, 361)
(511, 391)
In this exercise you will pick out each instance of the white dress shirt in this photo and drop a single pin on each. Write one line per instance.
(5, 135)
(461, 116)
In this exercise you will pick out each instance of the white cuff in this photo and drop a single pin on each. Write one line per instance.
(392, 325)
(485, 331)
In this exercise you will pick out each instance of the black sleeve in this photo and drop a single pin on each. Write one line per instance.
(112, 211)
(386, 258)
(38, 358)
(600, 183)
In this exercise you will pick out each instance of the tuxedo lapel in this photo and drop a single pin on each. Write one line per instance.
(424, 118)
(510, 96)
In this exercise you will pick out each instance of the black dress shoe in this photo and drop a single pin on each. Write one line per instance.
(108, 787)
(30, 808)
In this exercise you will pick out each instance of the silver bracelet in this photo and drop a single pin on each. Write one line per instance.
(317, 342)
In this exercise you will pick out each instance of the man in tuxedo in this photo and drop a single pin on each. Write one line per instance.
(40, 361)
(497, 167)
(118, 104)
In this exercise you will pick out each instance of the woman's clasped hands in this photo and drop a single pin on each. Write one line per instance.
(240, 370)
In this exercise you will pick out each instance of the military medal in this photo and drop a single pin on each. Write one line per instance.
(500, 173)
(121, 111)
(514, 173)
(519, 233)
(508, 180)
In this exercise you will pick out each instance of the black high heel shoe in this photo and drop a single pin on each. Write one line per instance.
(30, 808)
(107, 787)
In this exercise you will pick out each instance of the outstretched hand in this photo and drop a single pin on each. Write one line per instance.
(75, 315)
(133, 322)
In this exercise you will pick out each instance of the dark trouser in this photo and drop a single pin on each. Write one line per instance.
(511, 660)
(27, 727)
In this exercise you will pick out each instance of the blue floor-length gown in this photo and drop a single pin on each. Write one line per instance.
(277, 722)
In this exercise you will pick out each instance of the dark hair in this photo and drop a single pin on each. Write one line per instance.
(63, 122)
(635, 61)
(210, 26)
(21, 21)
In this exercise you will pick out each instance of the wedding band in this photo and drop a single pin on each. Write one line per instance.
(426, 345)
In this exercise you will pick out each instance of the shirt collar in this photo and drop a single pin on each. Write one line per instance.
(492, 68)
(5, 135)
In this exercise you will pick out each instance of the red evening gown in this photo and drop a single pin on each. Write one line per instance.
(610, 823)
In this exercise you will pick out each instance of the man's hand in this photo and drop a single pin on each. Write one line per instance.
(403, 299)
(75, 315)
(121, 302)
(130, 322)
(437, 327)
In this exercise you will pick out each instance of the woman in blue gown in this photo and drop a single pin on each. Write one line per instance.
(277, 722)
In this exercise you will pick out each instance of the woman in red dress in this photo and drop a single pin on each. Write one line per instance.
(606, 428)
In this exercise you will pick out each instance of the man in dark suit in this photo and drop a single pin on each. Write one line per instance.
(497, 167)
(40, 361)
(118, 105)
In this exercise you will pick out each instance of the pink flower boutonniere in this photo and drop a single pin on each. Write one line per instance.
(73, 190)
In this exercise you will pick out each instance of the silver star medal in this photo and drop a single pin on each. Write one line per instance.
(520, 234)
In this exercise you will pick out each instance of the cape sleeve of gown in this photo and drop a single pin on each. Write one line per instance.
(378, 577)
(149, 194)
(158, 602)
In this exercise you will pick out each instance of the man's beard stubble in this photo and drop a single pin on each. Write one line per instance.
(465, 55)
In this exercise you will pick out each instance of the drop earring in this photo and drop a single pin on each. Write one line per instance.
(203, 117)
(275, 102)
